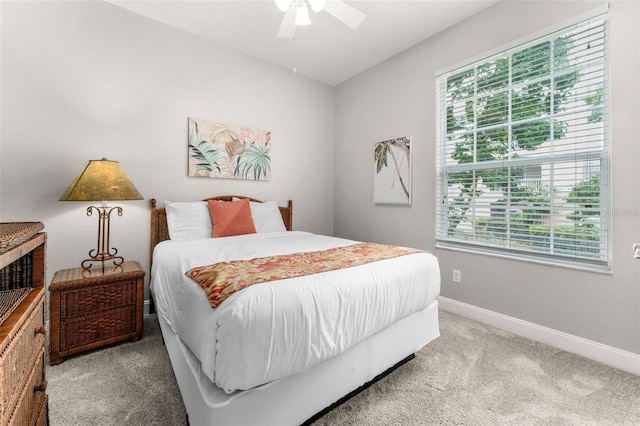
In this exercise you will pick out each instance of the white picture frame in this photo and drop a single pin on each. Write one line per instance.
(392, 171)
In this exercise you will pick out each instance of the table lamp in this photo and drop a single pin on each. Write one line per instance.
(102, 180)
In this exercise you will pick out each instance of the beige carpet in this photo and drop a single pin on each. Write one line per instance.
(472, 375)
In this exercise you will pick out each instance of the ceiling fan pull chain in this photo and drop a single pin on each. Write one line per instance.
(295, 71)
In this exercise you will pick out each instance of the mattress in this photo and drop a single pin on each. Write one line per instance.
(275, 329)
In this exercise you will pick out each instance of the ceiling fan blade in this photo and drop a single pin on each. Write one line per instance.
(345, 13)
(288, 25)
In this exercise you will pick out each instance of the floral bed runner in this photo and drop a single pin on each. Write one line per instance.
(221, 280)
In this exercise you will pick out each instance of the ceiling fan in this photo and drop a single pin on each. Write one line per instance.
(297, 13)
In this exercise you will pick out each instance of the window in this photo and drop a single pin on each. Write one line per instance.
(523, 150)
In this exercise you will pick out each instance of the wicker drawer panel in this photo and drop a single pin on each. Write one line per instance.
(31, 394)
(40, 416)
(101, 297)
(97, 328)
(17, 359)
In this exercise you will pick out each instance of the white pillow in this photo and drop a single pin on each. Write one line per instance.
(266, 217)
(188, 220)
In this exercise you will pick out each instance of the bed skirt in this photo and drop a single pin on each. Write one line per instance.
(293, 400)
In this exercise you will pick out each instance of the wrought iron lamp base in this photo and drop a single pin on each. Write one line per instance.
(103, 251)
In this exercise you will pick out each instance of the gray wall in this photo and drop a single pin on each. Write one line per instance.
(397, 98)
(86, 80)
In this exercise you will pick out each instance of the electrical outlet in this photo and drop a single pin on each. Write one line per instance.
(457, 276)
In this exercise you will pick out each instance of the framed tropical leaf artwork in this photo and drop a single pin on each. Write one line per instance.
(392, 171)
(224, 151)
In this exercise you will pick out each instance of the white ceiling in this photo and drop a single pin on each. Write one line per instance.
(327, 50)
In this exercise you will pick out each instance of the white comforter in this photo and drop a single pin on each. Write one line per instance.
(275, 329)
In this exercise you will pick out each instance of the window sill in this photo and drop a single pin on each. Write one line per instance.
(528, 258)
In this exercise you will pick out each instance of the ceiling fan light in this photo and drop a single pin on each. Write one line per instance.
(317, 5)
(302, 14)
(283, 5)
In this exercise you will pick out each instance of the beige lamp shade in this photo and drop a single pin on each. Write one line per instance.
(101, 180)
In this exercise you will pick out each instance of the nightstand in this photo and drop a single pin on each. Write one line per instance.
(92, 308)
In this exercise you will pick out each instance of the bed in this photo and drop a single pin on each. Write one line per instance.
(285, 351)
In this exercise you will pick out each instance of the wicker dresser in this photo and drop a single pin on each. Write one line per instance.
(23, 400)
(92, 308)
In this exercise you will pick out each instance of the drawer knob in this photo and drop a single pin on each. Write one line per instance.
(41, 387)
(39, 330)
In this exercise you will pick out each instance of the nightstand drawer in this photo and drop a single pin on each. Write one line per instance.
(100, 297)
(98, 328)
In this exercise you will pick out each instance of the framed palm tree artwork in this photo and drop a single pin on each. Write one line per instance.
(224, 151)
(392, 171)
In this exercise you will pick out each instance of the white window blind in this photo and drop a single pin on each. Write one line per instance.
(523, 150)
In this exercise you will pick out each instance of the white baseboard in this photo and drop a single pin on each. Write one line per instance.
(146, 307)
(617, 358)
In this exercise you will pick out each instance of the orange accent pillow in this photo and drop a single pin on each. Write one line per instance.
(231, 218)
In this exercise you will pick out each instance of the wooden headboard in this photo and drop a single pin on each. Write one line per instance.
(160, 230)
